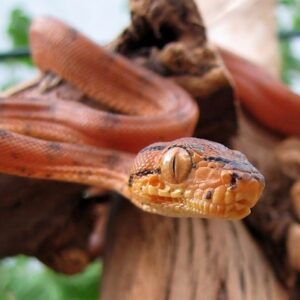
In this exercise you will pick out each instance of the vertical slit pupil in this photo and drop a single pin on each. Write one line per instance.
(174, 165)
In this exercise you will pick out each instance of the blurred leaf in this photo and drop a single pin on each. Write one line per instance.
(17, 30)
(290, 63)
(23, 278)
(296, 21)
(288, 2)
(18, 27)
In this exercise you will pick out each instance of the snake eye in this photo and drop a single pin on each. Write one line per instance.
(176, 165)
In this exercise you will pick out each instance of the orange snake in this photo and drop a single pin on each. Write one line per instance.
(268, 100)
(64, 140)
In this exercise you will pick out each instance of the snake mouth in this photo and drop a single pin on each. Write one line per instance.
(219, 202)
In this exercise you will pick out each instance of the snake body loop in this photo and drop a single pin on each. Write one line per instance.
(152, 107)
(62, 140)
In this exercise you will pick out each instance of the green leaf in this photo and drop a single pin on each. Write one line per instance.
(26, 279)
(18, 28)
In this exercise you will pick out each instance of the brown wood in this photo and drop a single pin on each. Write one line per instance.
(150, 257)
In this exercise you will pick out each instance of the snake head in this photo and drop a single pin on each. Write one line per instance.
(192, 177)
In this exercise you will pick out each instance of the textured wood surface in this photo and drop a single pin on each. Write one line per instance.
(150, 257)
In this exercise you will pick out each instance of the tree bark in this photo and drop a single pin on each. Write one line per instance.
(151, 257)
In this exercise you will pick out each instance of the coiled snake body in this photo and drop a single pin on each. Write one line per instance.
(61, 140)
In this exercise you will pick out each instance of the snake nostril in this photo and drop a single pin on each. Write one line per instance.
(209, 195)
(234, 178)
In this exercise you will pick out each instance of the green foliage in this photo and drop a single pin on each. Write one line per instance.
(17, 30)
(289, 2)
(290, 59)
(18, 27)
(27, 279)
(290, 63)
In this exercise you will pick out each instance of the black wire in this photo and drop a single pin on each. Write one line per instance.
(16, 53)
(287, 35)
(25, 52)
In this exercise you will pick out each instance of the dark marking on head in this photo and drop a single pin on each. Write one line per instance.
(130, 180)
(153, 148)
(141, 174)
(258, 178)
(217, 159)
(197, 147)
(147, 172)
(233, 164)
(209, 195)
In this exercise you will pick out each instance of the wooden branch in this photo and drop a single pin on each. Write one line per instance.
(274, 215)
(169, 38)
(32, 214)
(151, 257)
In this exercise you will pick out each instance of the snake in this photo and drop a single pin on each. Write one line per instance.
(269, 101)
(138, 144)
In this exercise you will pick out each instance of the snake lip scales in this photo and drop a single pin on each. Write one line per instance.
(193, 177)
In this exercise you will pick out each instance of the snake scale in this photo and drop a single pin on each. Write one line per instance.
(68, 141)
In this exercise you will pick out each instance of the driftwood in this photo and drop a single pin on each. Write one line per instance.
(153, 257)
(150, 257)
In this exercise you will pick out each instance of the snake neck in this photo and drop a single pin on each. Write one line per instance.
(106, 168)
